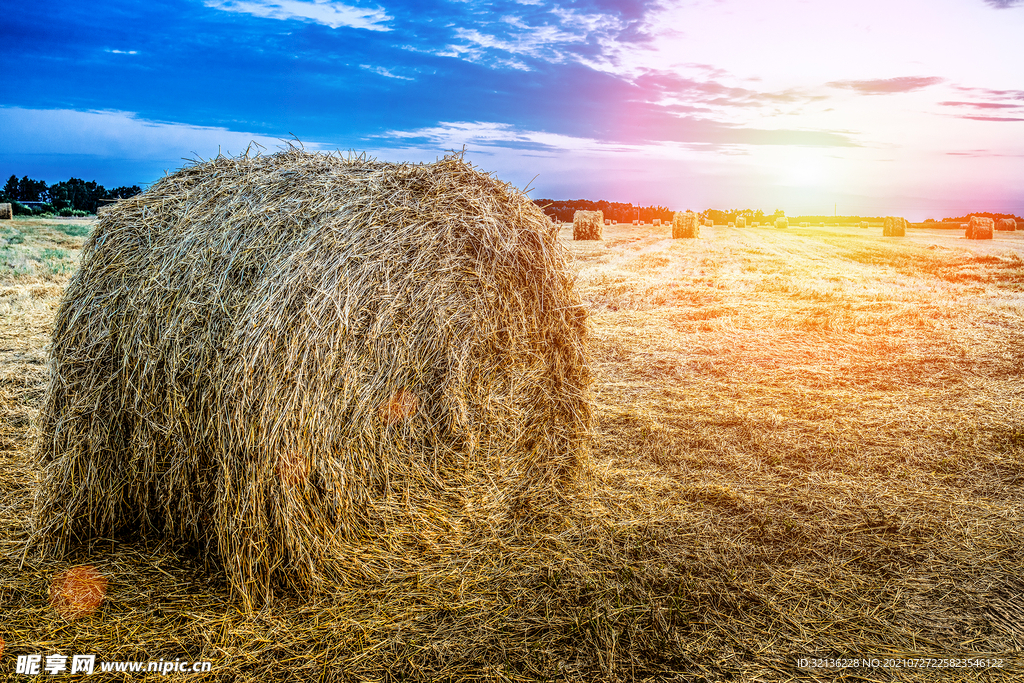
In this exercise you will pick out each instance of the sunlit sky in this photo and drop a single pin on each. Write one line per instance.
(904, 107)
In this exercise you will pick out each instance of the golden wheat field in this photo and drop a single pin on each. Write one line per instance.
(809, 446)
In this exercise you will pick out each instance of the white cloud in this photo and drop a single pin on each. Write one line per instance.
(122, 52)
(381, 71)
(326, 12)
(118, 134)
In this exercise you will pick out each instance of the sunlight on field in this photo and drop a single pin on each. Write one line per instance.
(810, 442)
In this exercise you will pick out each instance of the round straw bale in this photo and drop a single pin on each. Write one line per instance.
(980, 228)
(741, 222)
(708, 223)
(781, 222)
(586, 225)
(6, 211)
(863, 224)
(607, 221)
(756, 224)
(685, 224)
(822, 224)
(642, 223)
(894, 226)
(1006, 225)
(313, 369)
(636, 222)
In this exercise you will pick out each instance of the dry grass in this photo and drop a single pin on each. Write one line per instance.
(807, 445)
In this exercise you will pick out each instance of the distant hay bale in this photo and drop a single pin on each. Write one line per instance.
(636, 222)
(685, 224)
(708, 223)
(894, 226)
(822, 224)
(804, 224)
(313, 370)
(6, 212)
(741, 222)
(656, 221)
(980, 228)
(732, 225)
(782, 222)
(641, 223)
(756, 224)
(586, 225)
(1006, 225)
(607, 221)
(863, 224)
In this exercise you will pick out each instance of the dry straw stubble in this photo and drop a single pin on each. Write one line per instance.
(314, 369)
(587, 225)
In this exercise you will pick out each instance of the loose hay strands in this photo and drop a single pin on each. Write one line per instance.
(979, 228)
(314, 369)
(1006, 225)
(6, 211)
(779, 474)
(586, 225)
(685, 225)
(894, 226)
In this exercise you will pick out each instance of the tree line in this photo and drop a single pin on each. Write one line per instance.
(563, 210)
(68, 197)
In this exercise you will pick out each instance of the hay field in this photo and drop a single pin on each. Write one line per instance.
(810, 443)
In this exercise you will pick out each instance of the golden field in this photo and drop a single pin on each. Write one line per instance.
(809, 444)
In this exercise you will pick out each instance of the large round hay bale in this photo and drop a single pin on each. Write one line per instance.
(685, 224)
(297, 361)
(587, 225)
(1006, 225)
(894, 226)
(6, 212)
(782, 222)
(980, 228)
(741, 222)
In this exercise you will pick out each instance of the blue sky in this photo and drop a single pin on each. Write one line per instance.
(896, 107)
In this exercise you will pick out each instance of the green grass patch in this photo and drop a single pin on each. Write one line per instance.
(73, 229)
